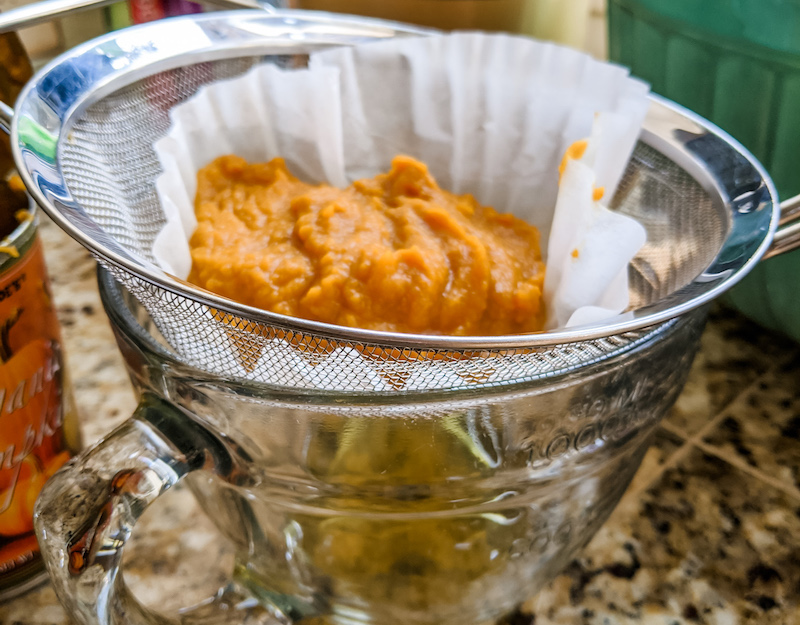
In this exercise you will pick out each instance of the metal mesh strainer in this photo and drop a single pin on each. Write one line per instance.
(83, 135)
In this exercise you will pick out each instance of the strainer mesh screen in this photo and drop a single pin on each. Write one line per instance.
(110, 167)
(109, 162)
(684, 231)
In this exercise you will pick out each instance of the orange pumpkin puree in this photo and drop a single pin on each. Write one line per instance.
(393, 253)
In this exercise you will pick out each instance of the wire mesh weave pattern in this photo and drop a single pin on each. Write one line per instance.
(110, 167)
(231, 346)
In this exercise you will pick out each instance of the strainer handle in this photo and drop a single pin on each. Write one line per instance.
(85, 514)
(787, 238)
(6, 115)
(47, 10)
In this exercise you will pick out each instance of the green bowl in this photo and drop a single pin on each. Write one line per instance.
(737, 63)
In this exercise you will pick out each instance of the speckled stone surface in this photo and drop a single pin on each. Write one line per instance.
(708, 533)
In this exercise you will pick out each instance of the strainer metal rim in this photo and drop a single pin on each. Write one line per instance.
(98, 68)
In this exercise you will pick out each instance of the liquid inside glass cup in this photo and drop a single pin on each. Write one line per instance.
(407, 507)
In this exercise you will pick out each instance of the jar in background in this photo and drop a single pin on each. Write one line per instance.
(38, 422)
(489, 15)
(562, 21)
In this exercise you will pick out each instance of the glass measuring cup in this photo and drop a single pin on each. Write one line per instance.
(422, 507)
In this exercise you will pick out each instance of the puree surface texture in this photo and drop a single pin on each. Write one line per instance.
(393, 253)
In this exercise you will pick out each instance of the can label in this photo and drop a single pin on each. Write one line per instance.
(32, 441)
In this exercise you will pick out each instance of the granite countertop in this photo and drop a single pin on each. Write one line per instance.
(709, 531)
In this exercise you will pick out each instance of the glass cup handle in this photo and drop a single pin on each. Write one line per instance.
(85, 514)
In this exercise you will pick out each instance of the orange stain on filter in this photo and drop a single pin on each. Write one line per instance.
(574, 152)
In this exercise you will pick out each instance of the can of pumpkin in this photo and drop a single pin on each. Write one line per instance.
(38, 422)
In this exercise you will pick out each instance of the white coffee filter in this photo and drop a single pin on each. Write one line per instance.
(490, 115)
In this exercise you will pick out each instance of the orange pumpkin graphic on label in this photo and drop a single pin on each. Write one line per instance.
(30, 414)
(33, 437)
